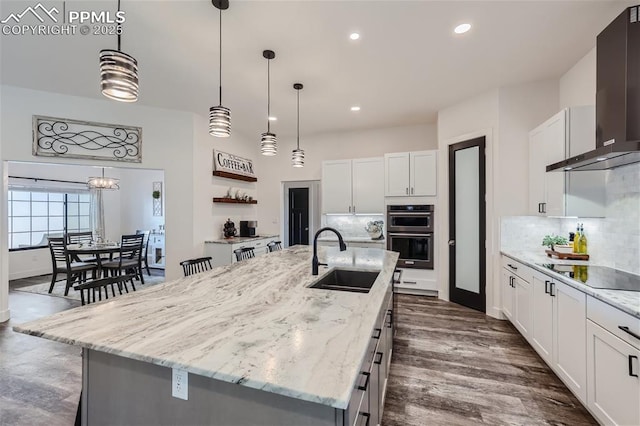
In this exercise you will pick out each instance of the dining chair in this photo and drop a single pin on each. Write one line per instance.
(244, 253)
(82, 238)
(89, 289)
(274, 246)
(195, 266)
(62, 264)
(130, 259)
(145, 249)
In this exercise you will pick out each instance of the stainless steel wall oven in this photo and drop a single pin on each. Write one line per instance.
(410, 233)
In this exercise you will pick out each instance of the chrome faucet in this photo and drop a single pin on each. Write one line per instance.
(314, 262)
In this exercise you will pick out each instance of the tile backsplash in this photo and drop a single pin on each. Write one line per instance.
(614, 241)
(350, 225)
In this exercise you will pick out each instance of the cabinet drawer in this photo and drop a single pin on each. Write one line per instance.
(612, 319)
(517, 268)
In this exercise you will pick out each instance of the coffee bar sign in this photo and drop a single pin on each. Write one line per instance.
(229, 163)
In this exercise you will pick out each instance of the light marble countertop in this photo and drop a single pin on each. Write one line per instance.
(626, 301)
(240, 240)
(254, 323)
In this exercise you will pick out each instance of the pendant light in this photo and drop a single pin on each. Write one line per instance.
(220, 116)
(268, 141)
(103, 182)
(118, 73)
(297, 157)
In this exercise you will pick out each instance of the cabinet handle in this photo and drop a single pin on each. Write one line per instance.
(354, 209)
(544, 207)
(552, 287)
(546, 286)
(379, 360)
(515, 268)
(366, 416)
(539, 207)
(407, 190)
(397, 280)
(390, 313)
(349, 209)
(631, 357)
(626, 330)
(379, 330)
(411, 190)
(409, 282)
(366, 381)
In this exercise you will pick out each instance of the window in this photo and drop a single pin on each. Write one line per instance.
(35, 215)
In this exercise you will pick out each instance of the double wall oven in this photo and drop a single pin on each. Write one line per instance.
(410, 233)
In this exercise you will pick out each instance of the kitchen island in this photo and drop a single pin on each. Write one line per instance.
(261, 346)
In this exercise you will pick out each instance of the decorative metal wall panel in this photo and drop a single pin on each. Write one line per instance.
(61, 137)
(157, 198)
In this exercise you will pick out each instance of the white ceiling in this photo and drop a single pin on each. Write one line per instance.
(407, 65)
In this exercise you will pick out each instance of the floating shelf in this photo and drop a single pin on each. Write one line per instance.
(233, 201)
(235, 176)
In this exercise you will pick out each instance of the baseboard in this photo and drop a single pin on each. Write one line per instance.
(5, 315)
(29, 274)
(417, 292)
(496, 313)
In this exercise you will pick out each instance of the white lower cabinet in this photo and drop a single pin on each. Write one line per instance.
(613, 385)
(508, 294)
(570, 338)
(522, 310)
(541, 337)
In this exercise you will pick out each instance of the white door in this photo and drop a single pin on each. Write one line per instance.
(507, 294)
(523, 306)
(537, 171)
(368, 185)
(555, 136)
(541, 336)
(336, 187)
(570, 339)
(396, 172)
(422, 168)
(613, 383)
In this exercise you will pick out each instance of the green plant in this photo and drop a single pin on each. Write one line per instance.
(553, 240)
(156, 194)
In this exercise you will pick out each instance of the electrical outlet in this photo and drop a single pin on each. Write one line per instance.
(180, 384)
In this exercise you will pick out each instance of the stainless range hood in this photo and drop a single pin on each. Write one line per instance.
(603, 158)
(617, 100)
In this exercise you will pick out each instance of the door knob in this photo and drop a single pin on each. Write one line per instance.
(452, 242)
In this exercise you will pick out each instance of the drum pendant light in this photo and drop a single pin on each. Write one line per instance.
(220, 116)
(297, 156)
(268, 141)
(118, 72)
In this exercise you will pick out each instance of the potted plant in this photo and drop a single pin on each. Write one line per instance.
(554, 240)
(156, 195)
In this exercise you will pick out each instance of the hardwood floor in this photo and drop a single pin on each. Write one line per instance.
(455, 366)
(451, 366)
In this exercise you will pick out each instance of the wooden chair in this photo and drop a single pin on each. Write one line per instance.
(130, 259)
(244, 253)
(195, 266)
(62, 264)
(274, 246)
(89, 289)
(145, 249)
(82, 238)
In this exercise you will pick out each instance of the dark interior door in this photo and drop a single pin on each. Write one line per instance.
(467, 224)
(298, 216)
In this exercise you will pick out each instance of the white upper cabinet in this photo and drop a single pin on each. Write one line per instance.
(368, 185)
(568, 133)
(410, 174)
(336, 187)
(353, 186)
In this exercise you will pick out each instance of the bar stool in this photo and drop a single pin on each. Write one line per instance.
(244, 253)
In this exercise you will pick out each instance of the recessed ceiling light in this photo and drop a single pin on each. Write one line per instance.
(462, 28)
(354, 36)
(601, 158)
(355, 108)
(272, 118)
(568, 168)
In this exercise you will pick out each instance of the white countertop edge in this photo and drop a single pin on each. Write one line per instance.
(240, 240)
(604, 295)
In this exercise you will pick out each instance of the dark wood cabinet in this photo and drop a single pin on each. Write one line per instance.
(618, 80)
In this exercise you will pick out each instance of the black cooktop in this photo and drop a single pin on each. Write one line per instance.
(597, 276)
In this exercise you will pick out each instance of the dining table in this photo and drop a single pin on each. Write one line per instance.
(96, 249)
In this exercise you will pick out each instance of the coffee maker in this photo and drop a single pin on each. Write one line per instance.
(248, 228)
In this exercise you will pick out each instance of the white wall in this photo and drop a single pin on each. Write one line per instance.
(330, 146)
(504, 116)
(578, 85)
(136, 187)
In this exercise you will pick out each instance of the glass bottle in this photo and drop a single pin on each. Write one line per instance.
(582, 242)
(576, 239)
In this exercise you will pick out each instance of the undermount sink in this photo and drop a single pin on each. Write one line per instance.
(347, 280)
